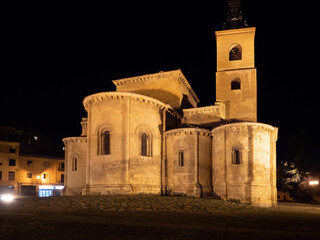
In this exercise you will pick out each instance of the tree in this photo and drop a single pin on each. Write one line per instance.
(294, 165)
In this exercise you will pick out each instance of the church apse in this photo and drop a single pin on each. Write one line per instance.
(151, 137)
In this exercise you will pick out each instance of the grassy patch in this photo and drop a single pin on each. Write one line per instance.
(150, 217)
(127, 203)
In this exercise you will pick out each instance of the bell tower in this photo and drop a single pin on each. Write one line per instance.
(236, 76)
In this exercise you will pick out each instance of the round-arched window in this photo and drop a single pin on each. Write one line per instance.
(236, 155)
(144, 144)
(235, 53)
(105, 143)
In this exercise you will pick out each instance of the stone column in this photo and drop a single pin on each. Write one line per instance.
(163, 173)
(126, 179)
(225, 162)
(273, 167)
(65, 168)
(197, 187)
(86, 189)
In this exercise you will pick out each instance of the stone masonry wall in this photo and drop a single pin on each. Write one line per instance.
(194, 177)
(75, 179)
(253, 180)
(124, 170)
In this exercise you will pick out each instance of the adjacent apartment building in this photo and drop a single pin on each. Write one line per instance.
(29, 164)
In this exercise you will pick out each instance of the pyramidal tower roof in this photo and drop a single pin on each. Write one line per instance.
(234, 19)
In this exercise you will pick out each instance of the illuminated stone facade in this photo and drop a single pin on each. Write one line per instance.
(236, 80)
(150, 137)
(253, 178)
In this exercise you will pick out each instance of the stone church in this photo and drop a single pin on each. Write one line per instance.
(150, 137)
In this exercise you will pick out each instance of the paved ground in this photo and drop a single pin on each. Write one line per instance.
(300, 207)
(153, 217)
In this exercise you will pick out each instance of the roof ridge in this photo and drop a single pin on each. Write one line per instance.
(160, 74)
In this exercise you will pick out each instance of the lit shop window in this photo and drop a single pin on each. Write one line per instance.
(45, 192)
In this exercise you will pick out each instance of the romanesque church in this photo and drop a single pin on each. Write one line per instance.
(150, 137)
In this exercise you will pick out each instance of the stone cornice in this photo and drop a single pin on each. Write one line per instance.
(107, 96)
(74, 140)
(244, 126)
(203, 110)
(188, 131)
(235, 31)
(175, 73)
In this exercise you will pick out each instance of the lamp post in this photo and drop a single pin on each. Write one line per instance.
(313, 184)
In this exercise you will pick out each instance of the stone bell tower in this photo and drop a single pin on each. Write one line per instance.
(236, 76)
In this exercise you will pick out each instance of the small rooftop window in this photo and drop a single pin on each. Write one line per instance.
(236, 84)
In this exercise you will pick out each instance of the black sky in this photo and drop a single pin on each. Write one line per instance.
(54, 53)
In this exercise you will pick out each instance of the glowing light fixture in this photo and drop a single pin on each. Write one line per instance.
(313, 183)
(50, 187)
(7, 198)
(38, 177)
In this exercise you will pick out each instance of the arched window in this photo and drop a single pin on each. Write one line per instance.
(181, 158)
(236, 84)
(144, 139)
(236, 156)
(144, 144)
(104, 139)
(105, 143)
(75, 163)
(235, 53)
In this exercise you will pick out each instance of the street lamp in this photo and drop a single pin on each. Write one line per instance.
(314, 183)
(7, 198)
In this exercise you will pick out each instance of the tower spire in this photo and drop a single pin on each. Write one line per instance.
(234, 19)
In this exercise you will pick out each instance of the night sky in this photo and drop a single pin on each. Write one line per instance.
(54, 53)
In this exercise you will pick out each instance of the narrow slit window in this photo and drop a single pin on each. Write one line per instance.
(181, 158)
(144, 143)
(105, 143)
(75, 164)
(236, 156)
